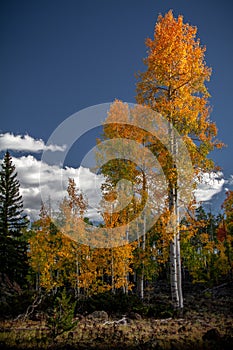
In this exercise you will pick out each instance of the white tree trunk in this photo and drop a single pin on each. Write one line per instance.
(175, 257)
(77, 289)
(176, 272)
(174, 275)
(179, 272)
(141, 275)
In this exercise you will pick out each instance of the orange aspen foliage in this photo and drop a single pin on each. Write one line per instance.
(174, 84)
(50, 253)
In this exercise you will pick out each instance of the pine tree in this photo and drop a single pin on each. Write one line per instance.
(13, 247)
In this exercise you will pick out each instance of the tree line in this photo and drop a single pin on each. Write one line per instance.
(47, 259)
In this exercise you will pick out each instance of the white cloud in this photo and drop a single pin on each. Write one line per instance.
(208, 185)
(26, 143)
(40, 181)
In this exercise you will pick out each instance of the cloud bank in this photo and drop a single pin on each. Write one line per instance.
(208, 185)
(42, 182)
(26, 143)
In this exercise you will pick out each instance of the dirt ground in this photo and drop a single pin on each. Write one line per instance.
(206, 323)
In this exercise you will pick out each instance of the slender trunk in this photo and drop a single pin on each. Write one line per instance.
(38, 279)
(127, 284)
(126, 266)
(175, 258)
(178, 256)
(77, 289)
(141, 275)
(174, 275)
(141, 286)
(112, 272)
(179, 267)
(112, 257)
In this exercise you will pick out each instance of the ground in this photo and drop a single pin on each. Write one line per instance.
(206, 323)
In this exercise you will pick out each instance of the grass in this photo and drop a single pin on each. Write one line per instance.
(184, 333)
(207, 323)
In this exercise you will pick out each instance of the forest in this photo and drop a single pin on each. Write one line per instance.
(155, 273)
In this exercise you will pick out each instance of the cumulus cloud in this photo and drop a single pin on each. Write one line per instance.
(42, 182)
(26, 143)
(208, 185)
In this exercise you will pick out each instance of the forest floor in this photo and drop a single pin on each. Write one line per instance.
(206, 323)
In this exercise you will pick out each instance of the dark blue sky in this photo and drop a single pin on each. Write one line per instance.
(58, 57)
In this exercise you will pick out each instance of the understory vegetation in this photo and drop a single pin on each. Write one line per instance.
(126, 322)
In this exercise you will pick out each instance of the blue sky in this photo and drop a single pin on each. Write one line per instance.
(58, 57)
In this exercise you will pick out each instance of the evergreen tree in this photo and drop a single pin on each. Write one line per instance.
(13, 246)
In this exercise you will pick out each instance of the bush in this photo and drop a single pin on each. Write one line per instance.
(118, 303)
(60, 318)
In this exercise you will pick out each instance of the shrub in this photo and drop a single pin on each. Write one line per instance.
(60, 318)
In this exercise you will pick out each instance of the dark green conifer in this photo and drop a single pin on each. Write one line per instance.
(13, 246)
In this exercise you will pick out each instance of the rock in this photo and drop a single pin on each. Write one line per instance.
(101, 315)
(134, 316)
(212, 335)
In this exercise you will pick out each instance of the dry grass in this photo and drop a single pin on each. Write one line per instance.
(183, 333)
(202, 314)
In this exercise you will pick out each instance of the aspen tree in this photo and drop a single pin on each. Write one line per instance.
(174, 86)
